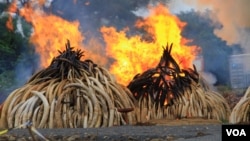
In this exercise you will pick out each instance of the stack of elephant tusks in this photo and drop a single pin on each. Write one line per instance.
(167, 91)
(241, 111)
(69, 93)
(165, 82)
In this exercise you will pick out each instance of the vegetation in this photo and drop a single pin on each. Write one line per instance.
(13, 48)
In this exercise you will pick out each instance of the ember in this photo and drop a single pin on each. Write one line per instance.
(170, 92)
(164, 82)
(69, 94)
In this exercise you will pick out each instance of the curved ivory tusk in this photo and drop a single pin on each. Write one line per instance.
(45, 110)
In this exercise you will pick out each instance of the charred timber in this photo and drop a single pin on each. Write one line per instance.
(165, 82)
(67, 61)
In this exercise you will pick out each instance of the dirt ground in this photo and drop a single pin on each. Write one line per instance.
(155, 130)
(184, 121)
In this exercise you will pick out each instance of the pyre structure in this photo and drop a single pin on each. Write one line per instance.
(69, 93)
(241, 111)
(167, 91)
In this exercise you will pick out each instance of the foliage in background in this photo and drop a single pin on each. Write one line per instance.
(14, 47)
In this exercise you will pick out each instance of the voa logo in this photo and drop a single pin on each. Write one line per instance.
(236, 132)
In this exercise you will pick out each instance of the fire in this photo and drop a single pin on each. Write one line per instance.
(11, 9)
(132, 55)
(135, 55)
(50, 33)
(9, 23)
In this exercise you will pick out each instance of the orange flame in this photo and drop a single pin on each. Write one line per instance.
(135, 55)
(9, 23)
(12, 9)
(132, 54)
(50, 33)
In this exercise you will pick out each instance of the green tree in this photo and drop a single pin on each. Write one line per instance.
(14, 47)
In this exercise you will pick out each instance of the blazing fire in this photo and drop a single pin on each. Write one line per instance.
(132, 55)
(50, 32)
(165, 76)
(135, 55)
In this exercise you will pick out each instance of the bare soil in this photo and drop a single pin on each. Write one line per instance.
(154, 130)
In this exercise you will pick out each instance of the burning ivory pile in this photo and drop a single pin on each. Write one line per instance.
(241, 111)
(70, 93)
(170, 92)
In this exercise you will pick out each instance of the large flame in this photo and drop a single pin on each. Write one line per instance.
(135, 55)
(132, 55)
(50, 33)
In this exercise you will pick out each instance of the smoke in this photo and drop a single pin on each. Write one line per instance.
(209, 78)
(177, 6)
(26, 66)
(233, 15)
